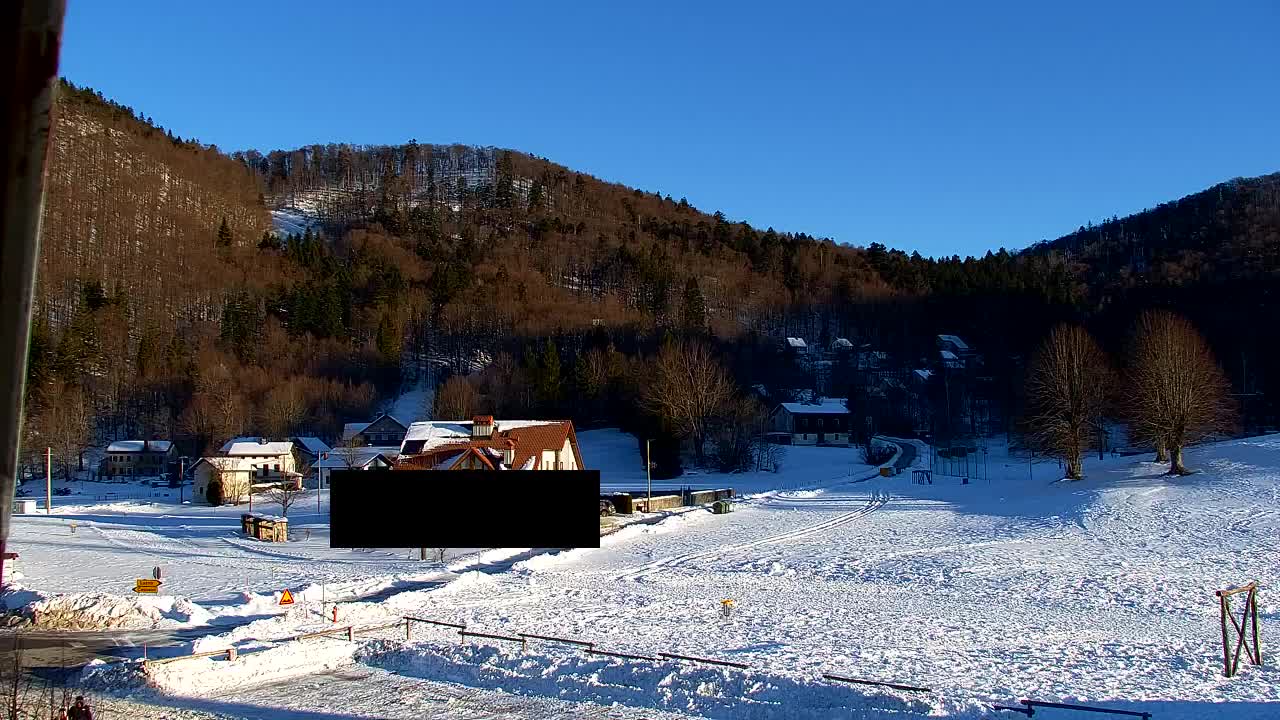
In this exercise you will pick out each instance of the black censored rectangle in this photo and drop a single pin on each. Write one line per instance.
(464, 508)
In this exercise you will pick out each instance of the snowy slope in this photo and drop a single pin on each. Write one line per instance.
(1025, 586)
(1099, 590)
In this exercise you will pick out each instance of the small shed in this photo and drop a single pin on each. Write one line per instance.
(24, 506)
(268, 528)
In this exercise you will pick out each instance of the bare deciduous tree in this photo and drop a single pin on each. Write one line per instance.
(456, 399)
(687, 388)
(738, 430)
(67, 425)
(283, 408)
(1176, 393)
(285, 494)
(1067, 388)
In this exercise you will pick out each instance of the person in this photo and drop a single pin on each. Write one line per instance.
(80, 710)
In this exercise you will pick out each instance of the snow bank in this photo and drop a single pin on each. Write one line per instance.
(467, 580)
(685, 688)
(487, 557)
(98, 611)
(208, 676)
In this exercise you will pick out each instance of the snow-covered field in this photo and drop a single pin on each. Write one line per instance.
(1098, 591)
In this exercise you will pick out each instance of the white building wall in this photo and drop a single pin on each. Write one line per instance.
(567, 461)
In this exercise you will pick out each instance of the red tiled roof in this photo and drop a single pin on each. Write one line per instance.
(529, 442)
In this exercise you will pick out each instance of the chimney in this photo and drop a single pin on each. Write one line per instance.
(509, 453)
(482, 426)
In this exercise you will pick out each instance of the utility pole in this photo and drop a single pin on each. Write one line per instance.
(320, 479)
(648, 476)
(48, 481)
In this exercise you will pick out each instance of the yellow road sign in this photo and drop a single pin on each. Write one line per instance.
(286, 597)
(146, 585)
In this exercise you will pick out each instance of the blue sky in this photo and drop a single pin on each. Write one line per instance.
(943, 127)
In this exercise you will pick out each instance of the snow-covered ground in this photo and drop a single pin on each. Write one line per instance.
(413, 404)
(1098, 591)
(291, 221)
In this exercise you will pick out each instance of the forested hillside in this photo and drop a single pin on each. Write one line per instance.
(166, 309)
(150, 297)
(1213, 256)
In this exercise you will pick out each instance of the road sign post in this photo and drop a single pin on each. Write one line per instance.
(147, 586)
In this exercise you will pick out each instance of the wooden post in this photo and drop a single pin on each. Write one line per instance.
(1226, 653)
(48, 481)
(351, 633)
(1257, 639)
(408, 628)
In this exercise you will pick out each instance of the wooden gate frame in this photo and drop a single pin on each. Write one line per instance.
(1248, 625)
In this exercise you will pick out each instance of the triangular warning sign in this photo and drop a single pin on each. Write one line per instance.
(286, 597)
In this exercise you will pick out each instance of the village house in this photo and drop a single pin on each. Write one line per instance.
(822, 423)
(954, 353)
(268, 460)
(383, 431)
(138, 458)
(486, 444)
(353, 458)
(233, 473)
(247, 464)
(309, 450)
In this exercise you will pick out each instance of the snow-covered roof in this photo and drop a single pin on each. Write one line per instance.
(314, 445)
(924, 374)
(133, 446)
(249, 446)
(435, 433)
(343, 458)
(948, 355)
(954, 340)
(827, 407)
(225, 464)
(796, 342)
(841, 343)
